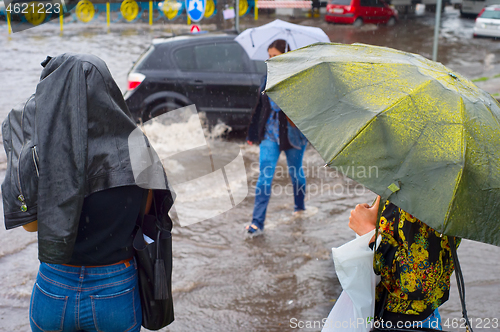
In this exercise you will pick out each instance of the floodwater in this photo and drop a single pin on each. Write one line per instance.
(222, 280)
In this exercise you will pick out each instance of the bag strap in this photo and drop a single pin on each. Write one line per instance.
(138, 241)
(143, 208)
(382, 306)
(460, 281)
(158, 234)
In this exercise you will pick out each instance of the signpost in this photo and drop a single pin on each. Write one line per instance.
(237, 18)
(436, 31)
(195, 9)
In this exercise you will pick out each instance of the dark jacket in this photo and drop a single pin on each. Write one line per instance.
(82, 130)
(260, 115)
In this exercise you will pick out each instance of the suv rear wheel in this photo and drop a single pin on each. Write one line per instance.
(162, 108)
(391, 22)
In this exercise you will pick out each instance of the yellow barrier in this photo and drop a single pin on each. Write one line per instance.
(35, 15)
(8, 21)
(129, 10)
(243, 7)
(85, 11)
(150, 12)
(108, 18)
(61, 19)
(209, 8)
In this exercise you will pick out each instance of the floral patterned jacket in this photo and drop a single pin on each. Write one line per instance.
(414, 262)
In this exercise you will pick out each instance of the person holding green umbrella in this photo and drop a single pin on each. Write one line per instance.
(433, 137)
(274, 132)
(414, 262)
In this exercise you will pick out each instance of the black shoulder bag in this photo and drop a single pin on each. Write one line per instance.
(154, 263)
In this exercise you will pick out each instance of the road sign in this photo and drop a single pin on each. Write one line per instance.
(196, 9)
(195, 29)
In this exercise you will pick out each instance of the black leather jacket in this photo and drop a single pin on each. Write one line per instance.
(82, 130)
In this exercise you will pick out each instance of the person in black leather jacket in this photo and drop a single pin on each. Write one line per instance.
(82, 128)
(88, 201)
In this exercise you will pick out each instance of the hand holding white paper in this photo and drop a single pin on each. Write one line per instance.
(355, 307)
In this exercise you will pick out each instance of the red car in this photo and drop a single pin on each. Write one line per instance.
(357, 12)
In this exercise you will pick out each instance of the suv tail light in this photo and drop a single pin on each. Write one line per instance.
(350, 9)
(134, 80)
(482, 11)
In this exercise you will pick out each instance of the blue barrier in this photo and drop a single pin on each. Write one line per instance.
(127, 11)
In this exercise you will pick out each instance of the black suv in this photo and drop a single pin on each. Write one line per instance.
(209, 70)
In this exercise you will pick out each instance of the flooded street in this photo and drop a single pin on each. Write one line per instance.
(223, 280)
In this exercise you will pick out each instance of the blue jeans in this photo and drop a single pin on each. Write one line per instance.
(269, 154)
(103, 298)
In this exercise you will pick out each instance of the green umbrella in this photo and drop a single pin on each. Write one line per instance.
(405, 127)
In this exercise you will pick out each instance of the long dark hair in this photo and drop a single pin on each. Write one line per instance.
(281, 45)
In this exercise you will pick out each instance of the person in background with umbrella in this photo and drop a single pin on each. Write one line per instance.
(414, 261)
(271, 128)
(255, 41)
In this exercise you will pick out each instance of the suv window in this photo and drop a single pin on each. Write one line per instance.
(222, 57)
(371, 3)
(153, 58)
(184, 58)
(495, 14)
(340, 2)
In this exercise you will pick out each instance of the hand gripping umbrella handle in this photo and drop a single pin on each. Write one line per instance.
(383, 198)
